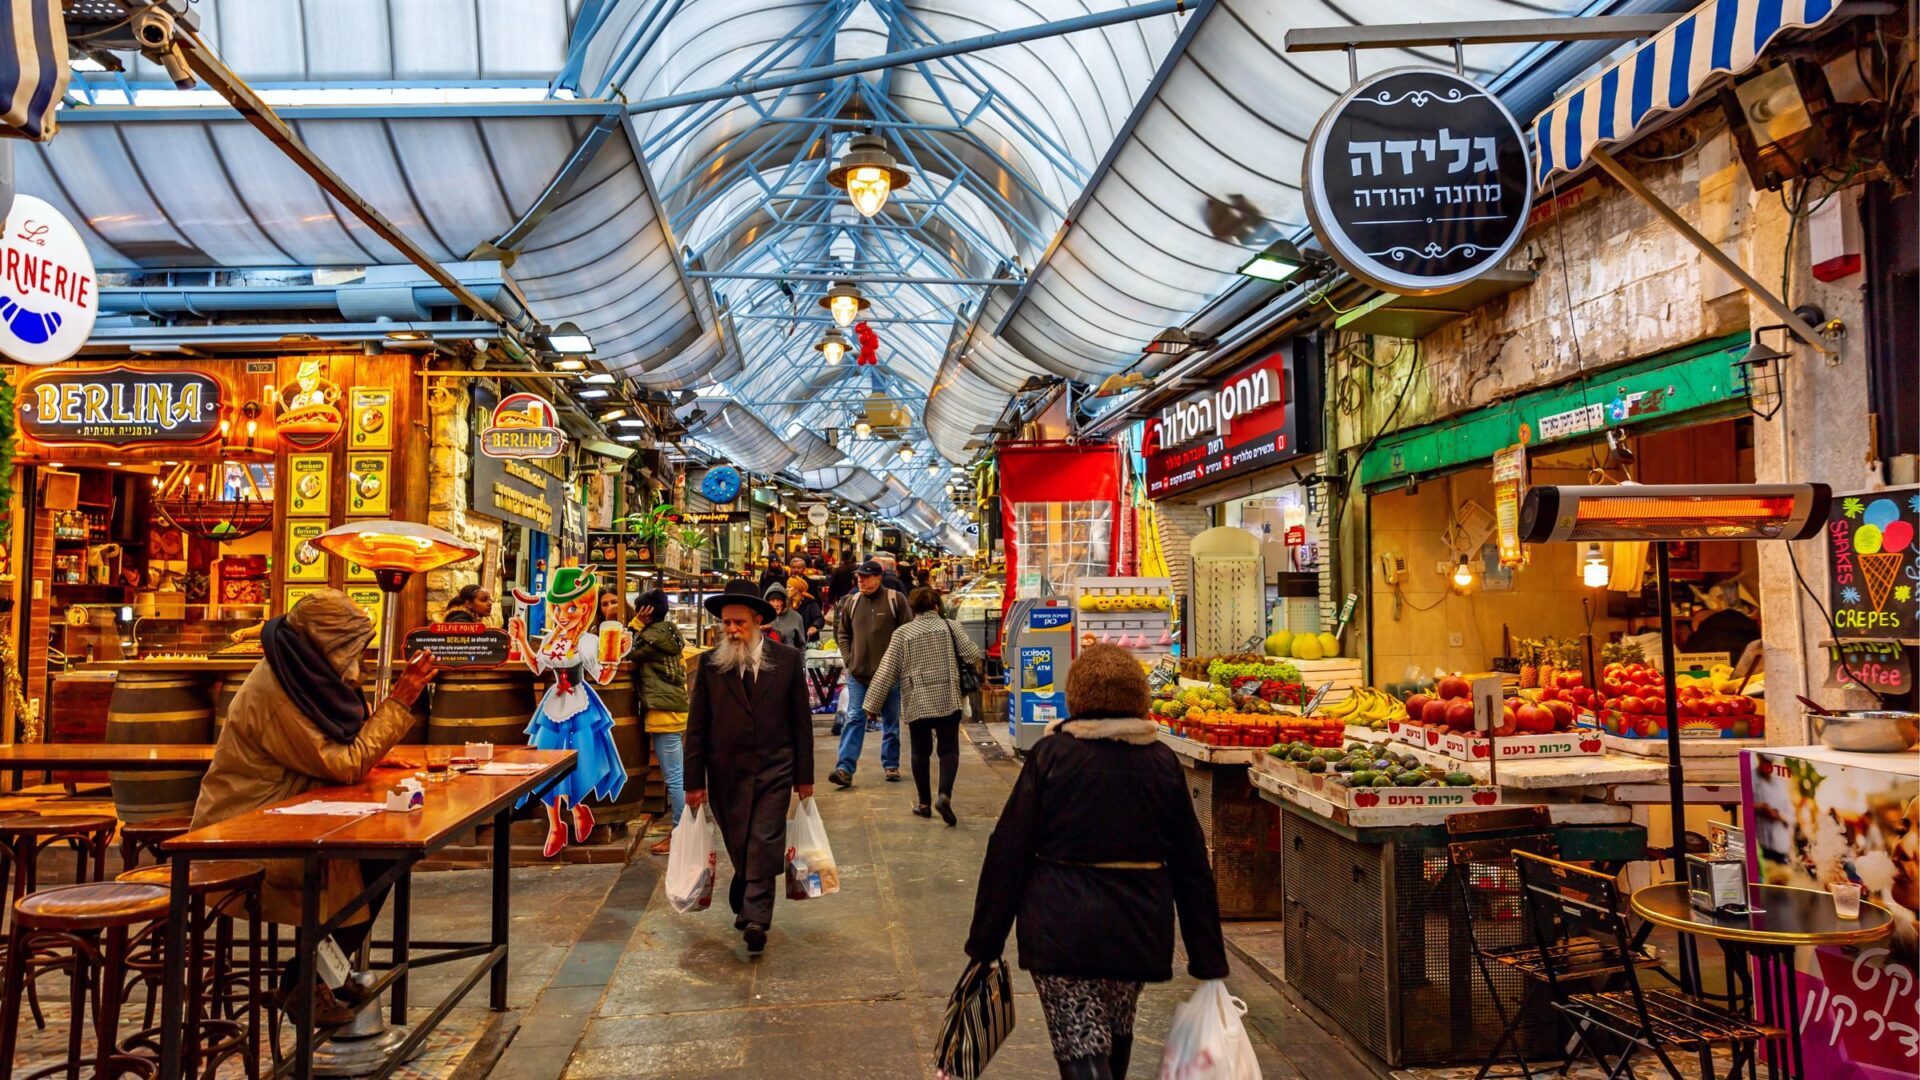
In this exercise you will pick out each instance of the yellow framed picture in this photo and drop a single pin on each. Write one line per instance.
(370, 600)
(305, 560)
(297, 593)
(369, 483)
(372, 424)
(309, 482)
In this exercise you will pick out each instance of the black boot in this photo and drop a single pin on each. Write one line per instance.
(1121, 1056)
(1085, 1068)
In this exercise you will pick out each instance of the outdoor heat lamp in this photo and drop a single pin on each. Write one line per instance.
(394, 551)
(1659, 512)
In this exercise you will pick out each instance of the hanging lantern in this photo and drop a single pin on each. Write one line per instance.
(832, 346)
(844, 302)
(867, 173)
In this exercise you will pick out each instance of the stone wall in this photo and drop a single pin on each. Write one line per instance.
(450, 413)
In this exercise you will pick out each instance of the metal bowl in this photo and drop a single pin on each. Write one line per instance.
(1869, 731)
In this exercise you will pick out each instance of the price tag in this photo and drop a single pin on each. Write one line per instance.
(1254, 644)
(1885, 667)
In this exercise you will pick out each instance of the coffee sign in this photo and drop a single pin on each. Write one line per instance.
(1418, 181)
(121, 407)
(48, 295)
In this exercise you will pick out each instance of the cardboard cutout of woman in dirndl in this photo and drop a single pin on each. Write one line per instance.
(571, 715)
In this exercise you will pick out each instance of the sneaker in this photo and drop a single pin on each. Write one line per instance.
(921, 810)
(873, 725)
(838, 726)
(840, 778)
(944, 805)
(893, 776)
(756, 936)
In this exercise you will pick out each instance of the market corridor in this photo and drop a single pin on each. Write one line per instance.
(850, 986)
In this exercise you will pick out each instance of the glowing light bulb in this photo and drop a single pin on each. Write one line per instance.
(844, 308)
(868, 186)
(863, 429)
(1595, 572)
(833, 351)
(1463, 574)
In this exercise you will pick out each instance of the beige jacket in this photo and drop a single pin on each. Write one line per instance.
(269, 752)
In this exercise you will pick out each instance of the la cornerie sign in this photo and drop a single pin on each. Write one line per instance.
(1248, 422)
(120, 406)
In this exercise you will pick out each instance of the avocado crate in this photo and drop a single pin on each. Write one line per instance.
(1243, 839)
(1376, 936)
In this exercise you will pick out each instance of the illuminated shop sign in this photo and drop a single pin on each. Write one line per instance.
(120, 407)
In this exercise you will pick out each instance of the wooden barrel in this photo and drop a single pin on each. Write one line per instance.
(158, 707)
(490, 706)
(630, 738)
(225, 687)
(417, 732)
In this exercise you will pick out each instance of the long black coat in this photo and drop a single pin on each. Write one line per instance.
(748, 749)
(1099, 792)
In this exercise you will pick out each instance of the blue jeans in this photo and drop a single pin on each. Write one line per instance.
(670, 751)
(854, 736)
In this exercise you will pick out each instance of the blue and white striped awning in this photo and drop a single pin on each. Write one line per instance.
(33, 68)
(1720, 37)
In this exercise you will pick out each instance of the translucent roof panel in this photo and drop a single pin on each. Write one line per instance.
(1209, 174)
(743, 438)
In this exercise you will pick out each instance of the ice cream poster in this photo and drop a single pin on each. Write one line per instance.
(1873, 581)
(1815, 823)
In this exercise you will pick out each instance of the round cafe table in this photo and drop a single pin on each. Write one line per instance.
(1780, 919)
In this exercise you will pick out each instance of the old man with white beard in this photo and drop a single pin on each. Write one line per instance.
(749, 748)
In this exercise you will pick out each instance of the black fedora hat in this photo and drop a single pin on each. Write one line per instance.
(744, 592)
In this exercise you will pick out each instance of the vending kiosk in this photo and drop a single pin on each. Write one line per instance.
(1038, 653)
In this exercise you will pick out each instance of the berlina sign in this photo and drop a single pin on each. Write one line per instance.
(1417, 181)
(523, 427)
(48, 296)
(121, 407)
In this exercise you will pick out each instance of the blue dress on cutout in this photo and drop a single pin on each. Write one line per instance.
(576, 720)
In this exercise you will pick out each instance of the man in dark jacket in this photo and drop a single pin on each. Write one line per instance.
(863, 624)
(1096, 850)
(840, 585)
(750, 744)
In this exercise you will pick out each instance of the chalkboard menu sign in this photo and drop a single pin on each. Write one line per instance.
(1873, 583)
(1417, 181)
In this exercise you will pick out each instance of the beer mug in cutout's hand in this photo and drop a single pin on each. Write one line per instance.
(611, 638)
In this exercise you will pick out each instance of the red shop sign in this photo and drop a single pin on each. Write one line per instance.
(1248, 421)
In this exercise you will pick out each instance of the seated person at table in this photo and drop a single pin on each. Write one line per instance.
(300, 722)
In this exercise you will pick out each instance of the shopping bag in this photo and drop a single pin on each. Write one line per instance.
(811, 870)
(693, 861)
(979, 1018)
(1208, 1040)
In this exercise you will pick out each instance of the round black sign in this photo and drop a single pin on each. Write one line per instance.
(1417, 181)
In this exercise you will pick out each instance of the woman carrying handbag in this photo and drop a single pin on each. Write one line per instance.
(932, 664)
(1096, 851)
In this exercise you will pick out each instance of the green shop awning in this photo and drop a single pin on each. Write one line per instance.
(1688, 385)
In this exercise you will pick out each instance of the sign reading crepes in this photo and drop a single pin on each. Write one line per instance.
(1418, 181)
(121, 406)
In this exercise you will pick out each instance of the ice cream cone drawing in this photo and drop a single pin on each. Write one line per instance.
(1879, 569)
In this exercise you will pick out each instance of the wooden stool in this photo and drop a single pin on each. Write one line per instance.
(147, 836)
(224, 998)
(23, 837)
(92, 922)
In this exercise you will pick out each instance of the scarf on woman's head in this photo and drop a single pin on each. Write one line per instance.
(333, 706)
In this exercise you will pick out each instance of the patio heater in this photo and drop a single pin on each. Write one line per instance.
(394, 551)
(1662, 514)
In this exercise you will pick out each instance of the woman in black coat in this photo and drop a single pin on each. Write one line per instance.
(1097, 849)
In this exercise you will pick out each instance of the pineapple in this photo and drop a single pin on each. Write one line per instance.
(1529, 664)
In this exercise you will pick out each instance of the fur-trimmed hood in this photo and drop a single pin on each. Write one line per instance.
(1127, 730)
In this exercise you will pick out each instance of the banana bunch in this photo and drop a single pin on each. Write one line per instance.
(1367, 707)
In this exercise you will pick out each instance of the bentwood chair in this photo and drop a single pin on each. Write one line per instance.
(1580, 931)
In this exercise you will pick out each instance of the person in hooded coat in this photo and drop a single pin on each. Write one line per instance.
(749, 746)
(299, 722)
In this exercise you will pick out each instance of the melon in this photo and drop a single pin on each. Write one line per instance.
(1280, 643)
(1306, 647)
(1329, 646)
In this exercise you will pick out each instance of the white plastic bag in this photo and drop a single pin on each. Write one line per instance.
(692, 861)
(1208, 1041)
(811, 870)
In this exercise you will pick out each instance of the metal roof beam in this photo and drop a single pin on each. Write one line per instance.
(1476, 32)
(864, 278)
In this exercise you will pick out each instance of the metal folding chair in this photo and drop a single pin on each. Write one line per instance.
(1581, 934)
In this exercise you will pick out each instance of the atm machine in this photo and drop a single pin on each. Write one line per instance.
(1037, 655)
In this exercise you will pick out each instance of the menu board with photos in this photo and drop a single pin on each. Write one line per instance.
(369, 484)
(370, 599)
(1873, 580)
(305, 560)
(371, 425)
(309, 482)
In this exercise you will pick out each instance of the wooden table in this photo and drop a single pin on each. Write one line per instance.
(1782, 919)
(452, 807)
(119, 757)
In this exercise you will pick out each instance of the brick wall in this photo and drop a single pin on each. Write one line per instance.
(450, 424)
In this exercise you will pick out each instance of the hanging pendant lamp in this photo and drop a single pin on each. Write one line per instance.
(833, 346)
(844, 302)
(867, 173)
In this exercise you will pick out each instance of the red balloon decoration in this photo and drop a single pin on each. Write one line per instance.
(869, 344)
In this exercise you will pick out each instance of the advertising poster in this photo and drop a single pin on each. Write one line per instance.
(372, 421)
(309, 480)
(371, 600)
(1818, 821)
(369, 480)
(305, 561)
